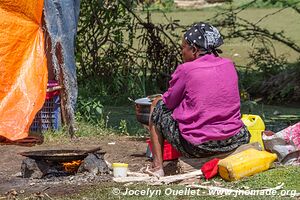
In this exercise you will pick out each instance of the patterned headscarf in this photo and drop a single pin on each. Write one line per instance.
(204, 36)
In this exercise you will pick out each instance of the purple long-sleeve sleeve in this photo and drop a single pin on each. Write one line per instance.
(175, 93)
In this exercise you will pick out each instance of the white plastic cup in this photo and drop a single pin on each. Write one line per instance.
(120, 169)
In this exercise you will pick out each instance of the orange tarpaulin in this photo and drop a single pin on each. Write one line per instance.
(23, 68)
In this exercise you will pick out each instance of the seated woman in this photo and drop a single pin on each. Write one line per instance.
(199, 114)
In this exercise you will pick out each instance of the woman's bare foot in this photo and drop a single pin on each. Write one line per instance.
(157, 171)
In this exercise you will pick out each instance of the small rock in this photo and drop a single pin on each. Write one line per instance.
(95, 164)
(31, 168)
(18, 174)
(245, 187)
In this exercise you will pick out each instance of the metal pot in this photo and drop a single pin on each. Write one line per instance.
(60, 155)
(142, 110)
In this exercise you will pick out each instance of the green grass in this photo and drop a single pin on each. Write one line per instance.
(267, 179)
(114, 114)
(127, 113)
(271, 178)
(261, 3)
(290, 114)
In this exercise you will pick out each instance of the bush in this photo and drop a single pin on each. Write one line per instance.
(90, 110)
(119, 54)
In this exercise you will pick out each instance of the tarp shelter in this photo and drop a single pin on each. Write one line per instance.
(23, 60)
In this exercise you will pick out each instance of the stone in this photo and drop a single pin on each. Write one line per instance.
(94, 164)
(31, 168)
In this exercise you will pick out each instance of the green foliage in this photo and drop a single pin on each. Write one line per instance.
(123, 127)
(265, 65)
(249, 105)
(121, 54)
(266, 62)
(284, 87)
(90, 110)
(100, 42)
(87, 129)
(249, 81)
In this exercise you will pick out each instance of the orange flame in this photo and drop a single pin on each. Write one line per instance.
(72, 166)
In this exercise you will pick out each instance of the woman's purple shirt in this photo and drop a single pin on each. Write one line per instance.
(204, 97)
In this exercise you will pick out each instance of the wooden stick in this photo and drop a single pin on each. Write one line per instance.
(137, 174)
(180, 177)
(161, 180)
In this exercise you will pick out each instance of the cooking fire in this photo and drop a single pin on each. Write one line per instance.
(55, 163)
(72, 166)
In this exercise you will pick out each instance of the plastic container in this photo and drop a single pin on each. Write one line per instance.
(120, 169)
(245, 163)
(256, 126)
(49, 117)
(169, 153)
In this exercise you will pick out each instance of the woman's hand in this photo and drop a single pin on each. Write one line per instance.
(154, 96)
(155, 100)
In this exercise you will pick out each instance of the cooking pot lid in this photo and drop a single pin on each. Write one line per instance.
(143, 101)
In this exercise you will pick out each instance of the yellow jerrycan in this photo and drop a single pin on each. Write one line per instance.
(256, 126)
(245, 163)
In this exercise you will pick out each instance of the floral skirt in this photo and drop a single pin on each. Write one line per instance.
(168, 128)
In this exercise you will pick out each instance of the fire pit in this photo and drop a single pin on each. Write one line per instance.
(49, 163)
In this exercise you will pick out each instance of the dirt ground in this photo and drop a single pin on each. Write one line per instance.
(118, 149)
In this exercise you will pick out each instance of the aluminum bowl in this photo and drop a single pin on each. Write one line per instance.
(142, 110)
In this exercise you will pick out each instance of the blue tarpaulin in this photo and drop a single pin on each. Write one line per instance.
(61, 18)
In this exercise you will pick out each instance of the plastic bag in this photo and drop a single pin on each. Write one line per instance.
(285, 143)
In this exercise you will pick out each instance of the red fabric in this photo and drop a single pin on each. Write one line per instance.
(50, 95)
(210, 168)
